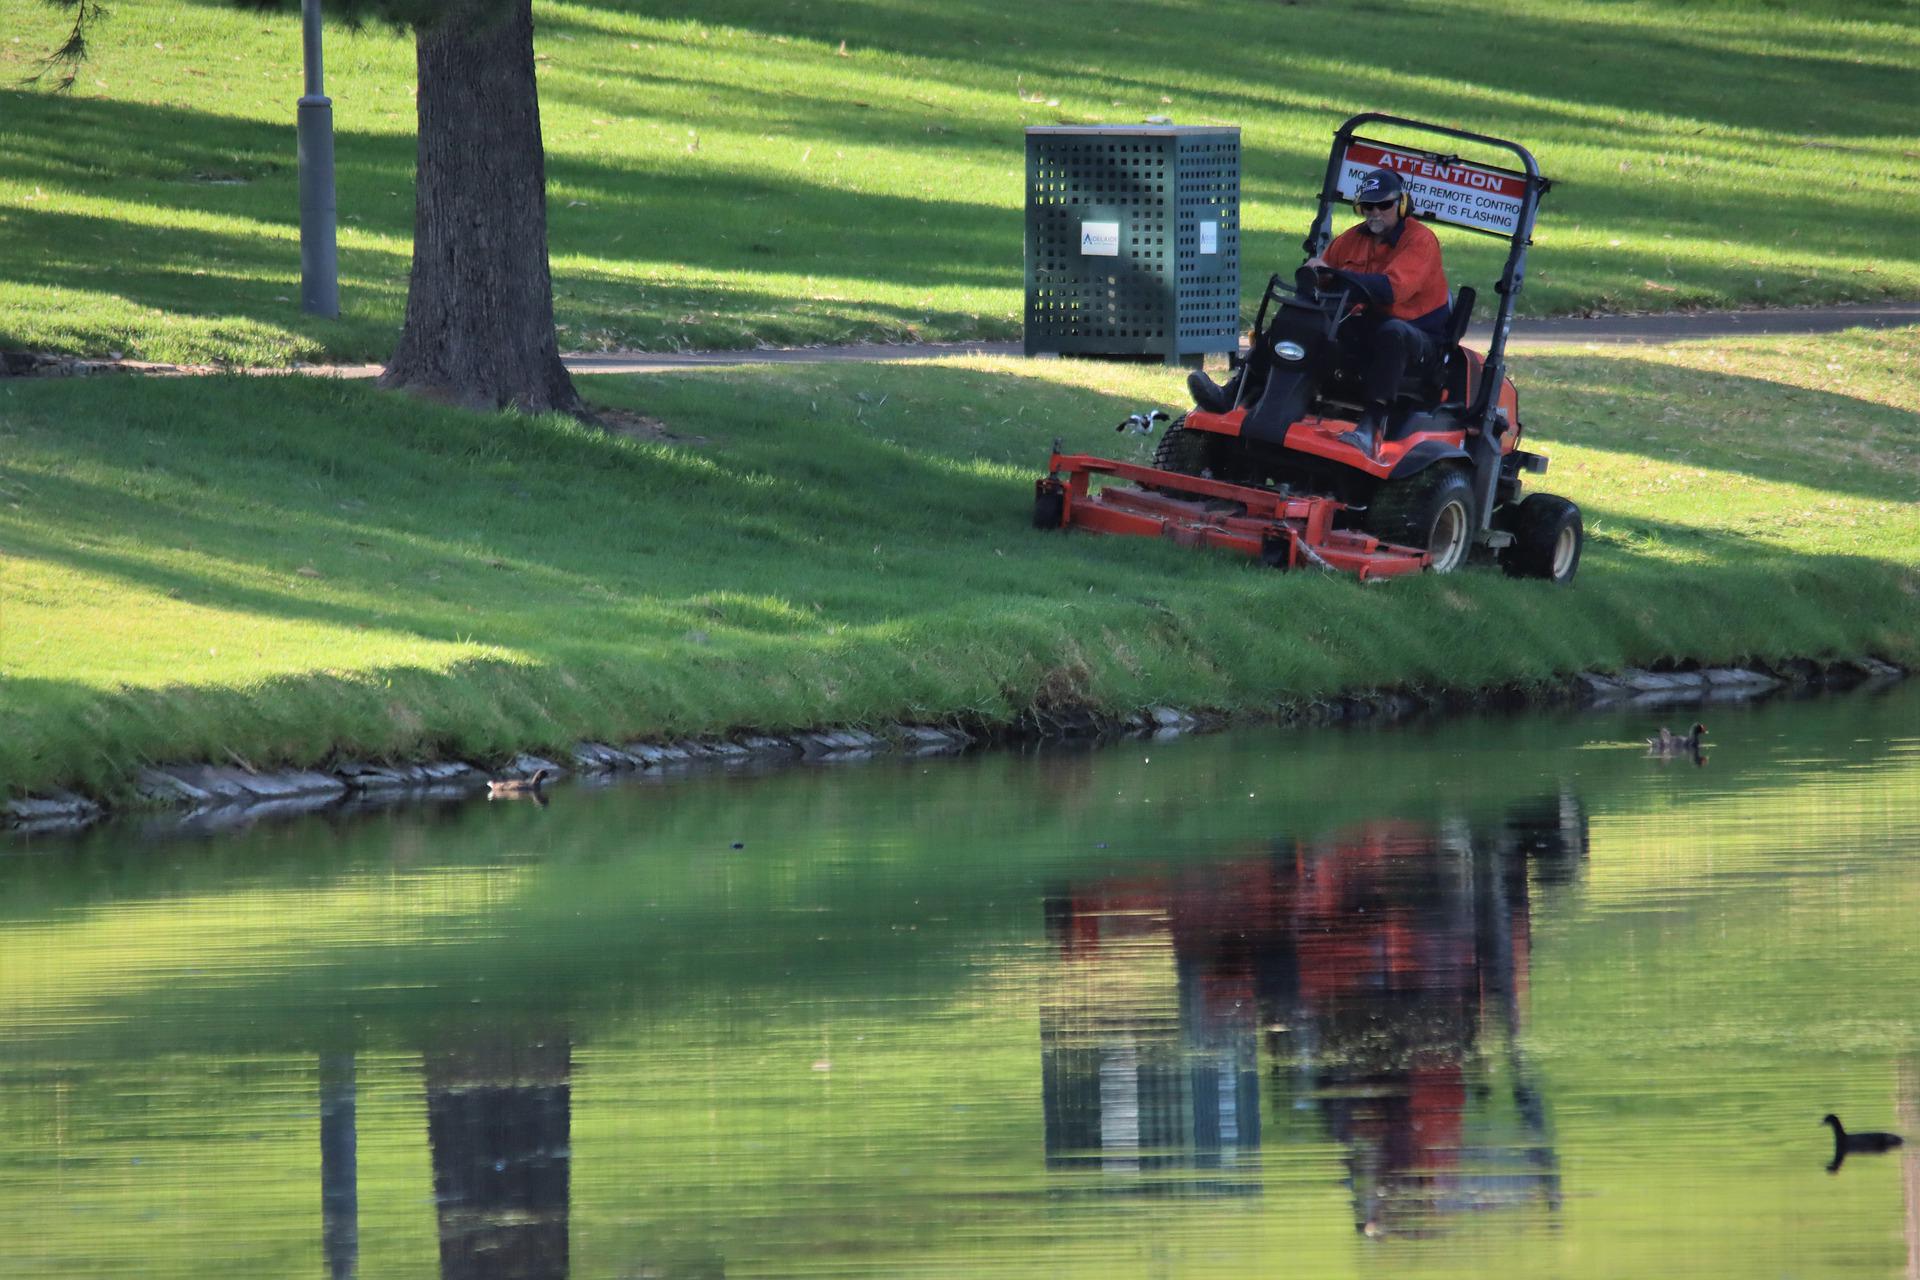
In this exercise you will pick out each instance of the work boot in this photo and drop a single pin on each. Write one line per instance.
(1209, 395)
(1365, 435)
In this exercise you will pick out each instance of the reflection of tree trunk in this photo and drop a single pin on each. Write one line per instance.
(339, 1167)
(498, 1118)
(1906, 1105)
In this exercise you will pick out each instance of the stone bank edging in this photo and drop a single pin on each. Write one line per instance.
(214, 796)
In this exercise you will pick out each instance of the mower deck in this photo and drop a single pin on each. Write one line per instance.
(1282, 530)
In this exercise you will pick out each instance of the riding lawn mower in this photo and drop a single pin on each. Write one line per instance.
(1257, 466)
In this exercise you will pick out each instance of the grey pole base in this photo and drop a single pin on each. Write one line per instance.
(319, 257)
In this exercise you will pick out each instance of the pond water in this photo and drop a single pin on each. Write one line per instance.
(1488, 996)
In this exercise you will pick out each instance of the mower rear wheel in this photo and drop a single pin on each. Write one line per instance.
(1547, 538)
(1431, 511)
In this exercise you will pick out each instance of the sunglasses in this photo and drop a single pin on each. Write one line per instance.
(1370, 206)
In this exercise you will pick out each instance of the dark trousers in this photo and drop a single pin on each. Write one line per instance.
(1384, 352)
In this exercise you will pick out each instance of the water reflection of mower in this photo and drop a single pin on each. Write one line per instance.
(1375, 977)
(1257, 466)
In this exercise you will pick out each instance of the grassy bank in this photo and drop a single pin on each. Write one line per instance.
(734, 172)
(283, 570)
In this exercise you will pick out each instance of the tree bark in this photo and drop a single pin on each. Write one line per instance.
(479, 326)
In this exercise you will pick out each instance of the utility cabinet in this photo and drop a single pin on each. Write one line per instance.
(1133, 240)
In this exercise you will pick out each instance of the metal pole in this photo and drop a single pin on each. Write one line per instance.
(319, 260)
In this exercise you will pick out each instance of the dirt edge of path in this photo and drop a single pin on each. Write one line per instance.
(1617, 329)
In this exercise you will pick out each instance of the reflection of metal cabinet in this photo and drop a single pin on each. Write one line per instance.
(1145, 1071)
(1133, 240)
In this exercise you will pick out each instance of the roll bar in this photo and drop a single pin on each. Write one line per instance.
(1511, 278)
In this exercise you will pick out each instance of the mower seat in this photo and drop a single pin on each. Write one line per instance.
(1429, 385)
(1421, 390)
(1444, 381)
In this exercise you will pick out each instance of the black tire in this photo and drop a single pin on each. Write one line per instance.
(1548, 537)
(1431, 510)
(1202, 453)
(1191, 453)
(1277, 553)
(1185, 451)
(1049, 509)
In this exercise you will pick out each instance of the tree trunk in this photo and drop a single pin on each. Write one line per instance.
(479, 327)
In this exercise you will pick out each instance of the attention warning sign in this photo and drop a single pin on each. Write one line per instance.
(1465, 195)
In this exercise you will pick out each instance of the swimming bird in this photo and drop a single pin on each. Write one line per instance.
(1846, 1144)
(1671, 743)
(518, 786)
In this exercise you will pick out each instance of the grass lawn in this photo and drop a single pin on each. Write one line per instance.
(734, 172)
(282, 569)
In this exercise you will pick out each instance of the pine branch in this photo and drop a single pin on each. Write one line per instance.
(73, 51)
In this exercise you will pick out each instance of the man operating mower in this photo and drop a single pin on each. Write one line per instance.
(1396, 261)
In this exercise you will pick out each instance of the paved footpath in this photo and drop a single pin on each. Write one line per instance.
(1558, 331)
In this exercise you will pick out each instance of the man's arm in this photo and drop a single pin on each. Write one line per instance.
(1377, 286)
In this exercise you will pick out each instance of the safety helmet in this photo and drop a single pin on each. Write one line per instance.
(1380, 185)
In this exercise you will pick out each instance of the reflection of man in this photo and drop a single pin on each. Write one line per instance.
(1396, 262)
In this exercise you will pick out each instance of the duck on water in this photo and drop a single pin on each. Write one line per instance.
(1846, 1144)
(1669, 743)
(519, 786)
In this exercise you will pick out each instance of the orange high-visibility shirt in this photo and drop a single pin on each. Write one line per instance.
(1404, 266)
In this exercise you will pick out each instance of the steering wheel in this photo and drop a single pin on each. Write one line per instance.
(1315, 283)
(1329, 288)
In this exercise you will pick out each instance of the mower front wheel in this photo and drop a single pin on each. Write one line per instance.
(1547, 538)
(1191, 453)
(1432, 511)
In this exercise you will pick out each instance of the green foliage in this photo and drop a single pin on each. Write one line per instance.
(288, 569)
(735, 172)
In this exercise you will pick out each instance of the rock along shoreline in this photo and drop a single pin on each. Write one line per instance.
(218, 797)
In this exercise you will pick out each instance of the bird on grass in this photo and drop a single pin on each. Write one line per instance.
(1846, 1144)
(518, 786)
(1141, 424)
(1670, 743)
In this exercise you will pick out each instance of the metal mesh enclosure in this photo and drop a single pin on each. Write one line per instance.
(1133, 240)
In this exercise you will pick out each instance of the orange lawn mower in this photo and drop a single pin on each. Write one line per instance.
(1258, 467)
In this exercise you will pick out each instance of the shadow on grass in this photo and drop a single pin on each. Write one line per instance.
(505, 527)
(740, 226)
(737, 227)
(1588, 97)
(177, 268)
(850, 544)
(1597, 100)
(1737, 423)
(1320, 51)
